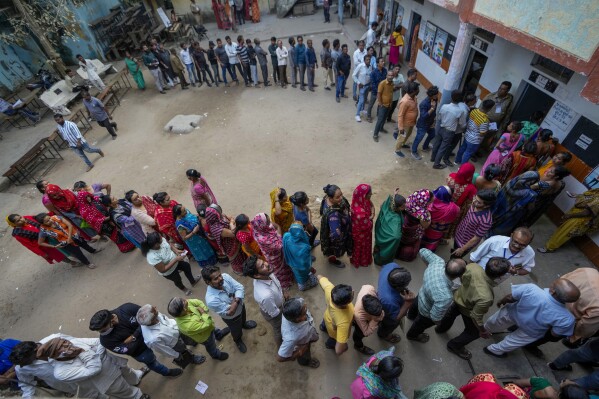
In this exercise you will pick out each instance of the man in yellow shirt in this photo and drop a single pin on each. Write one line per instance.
(339, 315)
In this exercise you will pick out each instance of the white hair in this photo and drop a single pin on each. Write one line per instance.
(145, 315)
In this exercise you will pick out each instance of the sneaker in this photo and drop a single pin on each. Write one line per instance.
(101, 153)
(198, 359)
(174, 373)
(338, 100)
(222, 333)
(375, 138)
(90, 167)
(461, 352)
(327, 88)
(399, 154)
(488, 352)
(417, 156)
(241, 346)
(448, 163)
(552, 366)
(358, 119)
(250, 324)
(302, 88)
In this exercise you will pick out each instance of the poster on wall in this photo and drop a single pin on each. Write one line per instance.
(439, 46)
(449, 46)
(429, 38)
(398, 17)
(592, 180)
(559, 119)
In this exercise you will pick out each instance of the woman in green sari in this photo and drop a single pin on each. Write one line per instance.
(135, 70)
(387, 231)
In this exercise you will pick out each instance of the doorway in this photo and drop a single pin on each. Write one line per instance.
(474, 70)
(531, 100)
(414, 23)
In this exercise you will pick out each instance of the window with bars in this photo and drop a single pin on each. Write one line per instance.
(552, 68)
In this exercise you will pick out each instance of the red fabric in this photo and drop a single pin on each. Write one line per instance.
(464, 174)
(163, 215)
(271, 245)
(485, 390)
(51, 255)
(216, 223)
(217, 15)
(361, 210)
(63, 200)
(461, 184)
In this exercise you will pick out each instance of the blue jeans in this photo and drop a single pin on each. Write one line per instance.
(362, 99)
(149, 359)
(227, 67)
(191, 71)
(210, 345)
(85, 147)
(420, 132)
(254, 70)
(340, 89)
(466, 151)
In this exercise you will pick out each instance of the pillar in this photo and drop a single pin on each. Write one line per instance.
(461, 51)
(373, 8)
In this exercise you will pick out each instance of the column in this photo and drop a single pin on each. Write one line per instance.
(461, 51)
(373, 8)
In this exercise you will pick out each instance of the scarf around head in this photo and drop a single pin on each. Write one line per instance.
(58, 349)
(216, 223)
(264, 233)
(417, 204)
(378, 387)
(464, 174)
(66, 200)
(296, 248)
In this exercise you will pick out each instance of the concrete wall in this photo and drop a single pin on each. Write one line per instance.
(578, 20)
(182, 7)
(18, 64)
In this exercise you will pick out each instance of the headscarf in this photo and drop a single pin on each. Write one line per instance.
(361, 207)
(398, 38)
(438, 390)
(485, 385)
(11, 224)
(91, 211)
(442, 209)
(464, 174)
(66, 200)
(417, 204)
(377, 387)
(216, 223)
(285, 219)
(58, 349)
(296, 248)
(264, 233)
(29, 231)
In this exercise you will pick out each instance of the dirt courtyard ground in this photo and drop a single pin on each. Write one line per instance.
(250, 141)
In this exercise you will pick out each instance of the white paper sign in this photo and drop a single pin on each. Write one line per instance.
(582, 144)
(201, 387)
(585, 138)
(493, 126)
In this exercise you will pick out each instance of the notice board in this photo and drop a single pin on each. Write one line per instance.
(583, 141)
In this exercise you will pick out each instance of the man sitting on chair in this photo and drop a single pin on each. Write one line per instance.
(19, 107)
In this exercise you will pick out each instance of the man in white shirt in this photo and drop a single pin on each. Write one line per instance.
(267, 292)
(92, 72)
(187, 59)
(358, 58)
(71, 134)
(515, 249)
(361, 76)
(371, 34)
(231, 49)
(452, 117)
(161, 334)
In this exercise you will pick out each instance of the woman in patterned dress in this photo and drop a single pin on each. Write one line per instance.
(269, 240)
(362, 216)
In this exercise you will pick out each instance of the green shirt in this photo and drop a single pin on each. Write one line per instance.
(194, 324)
(528, 129)
(538, 384)
(475, 295)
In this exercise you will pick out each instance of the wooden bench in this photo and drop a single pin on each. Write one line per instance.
(34, 164)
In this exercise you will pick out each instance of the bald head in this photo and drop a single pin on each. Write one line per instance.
(564, 291)
(455, 268)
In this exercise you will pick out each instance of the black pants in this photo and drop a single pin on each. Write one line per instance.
(387, 326)
(305, 359)
(547, 338)
(182, 80)
(240, 15)
(313, 235)
(358, 336)
(470, 333)
(108, 125)
(184, 267)
(236, 325)
(264, 69)
(390, 112)
(75, 250)
(327, 14)
(420, 322)
(247, 72)
(276, 74)
(241, 70)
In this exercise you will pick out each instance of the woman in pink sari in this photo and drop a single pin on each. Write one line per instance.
(200, 190)
(362, 215)
(508, 142)
(221, 231)
(443, 213)
(271, 245)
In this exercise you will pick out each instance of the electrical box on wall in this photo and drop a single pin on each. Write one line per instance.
(543, 81)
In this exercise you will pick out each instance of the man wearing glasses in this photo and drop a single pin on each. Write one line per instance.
(515, 249)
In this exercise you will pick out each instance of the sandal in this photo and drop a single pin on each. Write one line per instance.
(393, 338)
(422, 338)
(91, 266)
(544, 250)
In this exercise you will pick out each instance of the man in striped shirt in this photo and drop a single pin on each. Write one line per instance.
(71, 134)
(244, 59)
(475, 225)
(478, 125)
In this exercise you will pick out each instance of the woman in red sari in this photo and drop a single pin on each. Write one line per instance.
(220, 255)
(221, 231)
(463, 191)
(163, 215)
(519, 162)
(270, 243)
(362, 216)
(443, 213)
(485, 386)
(26, 231)
(98, 216)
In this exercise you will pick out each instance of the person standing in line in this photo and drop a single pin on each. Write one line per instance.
(467, 104)
(244, 60)
(358, 58)
(452, 117)
(291, 61)
(300, 60)
(239, 12)
(199, 55)
(384, 98)
(406, 117)
(71, 134)
(326, 8)
(361, 77)
(335, 53)
(435, 295)
(262, 60)
(298, 333)
(196, 11)
(120, 333)
(472, 301)
(326, 62)
(267, 292)
(153, 64)
(282, 59)
(253, 62)
(311, 65)
(475, 225)
(178, 68)
(398, 82)
(412, 76)
(343, 66)
(187, 59)
(234, 61)
(223, 60)
(503, 102)
(426, 121)
(274, 59)
(92, 72)
(224, 296)
(164, 56)
(97, 110)
(476, 127)
(368, 313)
(371, 34)
(395, 298)
(338, 316)
(378, 74)
(212, 59)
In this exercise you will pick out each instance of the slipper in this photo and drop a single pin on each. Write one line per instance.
(463, 353)
(188, 292)
(544, 250)
(422, 338)
(91, 266)
(393, 338)
(314, 363)
(488, 352)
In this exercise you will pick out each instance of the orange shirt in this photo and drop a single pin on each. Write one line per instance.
(408, 112)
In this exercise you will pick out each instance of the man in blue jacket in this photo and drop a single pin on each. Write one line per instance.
(300, 60)
(312, 64)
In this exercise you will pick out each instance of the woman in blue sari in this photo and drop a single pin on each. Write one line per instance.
(296, 248)
(191, 232)
(514, 200)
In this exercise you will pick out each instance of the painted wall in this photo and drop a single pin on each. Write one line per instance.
(18, 64)
(182, 7)
(541, 19)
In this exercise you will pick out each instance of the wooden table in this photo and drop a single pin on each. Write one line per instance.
(35, 164)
